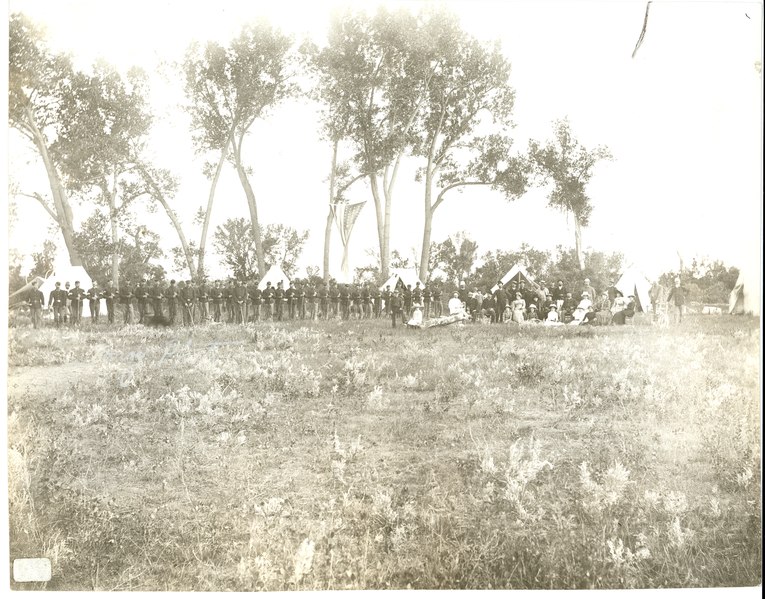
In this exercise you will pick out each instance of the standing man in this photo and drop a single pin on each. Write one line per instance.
(228, 297)
(394, 307)
(203, 297)
(417, 294)
(438, 307)
(240, 300)
(189, 297)
(155, 294)
(323, 301)
(559, 294)
(216, 294)
(386, 295)
(126, 299)
(345, 300)
(376, 300)
(291, 297)
(678, 294)
(268, 301)
(500, 301)
(589, 290)
(406, 296)
(142, 298)
(366, 308)
(77, 297)
(301, 299)
(67, 308)
(427, 296)
(279, 301)
(334, 299)
(36, 301)
(94, 302)
(110, 294)
(172, 298)
(57, 301)
(256, 299)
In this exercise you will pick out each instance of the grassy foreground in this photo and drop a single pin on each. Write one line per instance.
(349, 455)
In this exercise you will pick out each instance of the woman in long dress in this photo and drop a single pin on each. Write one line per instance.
(519, 309)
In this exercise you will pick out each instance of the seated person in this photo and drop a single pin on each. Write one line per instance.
(552, 317)
(487, 308)
(533, 315)
(603, 309)
(623, 309)
(416, 319)
(584, 312)
(456, 306)
(568, 307)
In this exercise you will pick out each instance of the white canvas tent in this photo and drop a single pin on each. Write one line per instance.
(633, 282)
(517, 273)
(274, 275)
(408, 276)
(746, 295)
(69, 274)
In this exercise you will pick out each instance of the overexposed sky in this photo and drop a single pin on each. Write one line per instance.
(683, 120)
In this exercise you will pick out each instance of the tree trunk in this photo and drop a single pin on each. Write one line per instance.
(578, 240)
(208, 212)
(330, 215)
(375, 185)
(427, 228)
(252, 206)
(159, 196)
(115, 239)
(61, 204)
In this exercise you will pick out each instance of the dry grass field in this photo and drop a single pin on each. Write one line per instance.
(349, 455)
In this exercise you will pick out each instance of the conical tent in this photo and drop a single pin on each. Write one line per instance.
(274, 275)
(517, 274)
(407, 276)
(746, 295)
(632, 282)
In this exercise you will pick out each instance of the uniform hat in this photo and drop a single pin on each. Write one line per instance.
(533, 306)
(76, 282)
(58, 284)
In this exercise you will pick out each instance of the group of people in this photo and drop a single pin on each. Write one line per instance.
(520, 302)
(236, 301)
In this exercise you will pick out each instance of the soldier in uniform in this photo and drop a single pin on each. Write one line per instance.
(417, 293)
(394, 307)
(155, 294)
(67, 307)
(301, 300)
(279, 301)
(355, 303)
(94, 302)
(334, 299)
(240, 301)
(228, 297)
(406, 296)
(76, 298)
(376, 300)
(268, 301)
(427, 296)
(366, 309)
(290, 296)
(142, 298)
(323, 301)
(386, 298)
(110, 295)
(126, 299)
(203, 298)
(171, 293)
(57, 301)
(188, 295)
(36, 301)
(345, 301)
(437, 305)
(256, 299)
(500, 301)
(216, 294)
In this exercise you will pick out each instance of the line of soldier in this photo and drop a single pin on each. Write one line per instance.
(237, 302)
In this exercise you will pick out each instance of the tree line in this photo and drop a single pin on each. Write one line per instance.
(393, 86)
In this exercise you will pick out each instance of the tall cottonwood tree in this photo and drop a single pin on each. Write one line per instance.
(231, 88)
(37, 81)
(101, 148)
(468, 89)
(568, 165)
(373, 77)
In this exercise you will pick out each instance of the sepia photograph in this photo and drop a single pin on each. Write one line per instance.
(383, 295)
